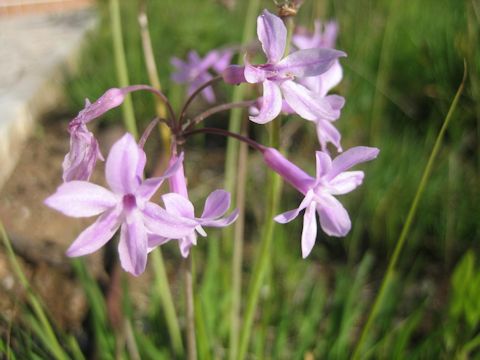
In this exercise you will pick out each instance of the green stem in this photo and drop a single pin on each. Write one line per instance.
(406, 227)
(153, 76)
(238, 240)
(161, 282)
(121, 66)
(53, 343)
(382, 73)
(231, 161)
(263, 259)
(235, 120)
(191, 338)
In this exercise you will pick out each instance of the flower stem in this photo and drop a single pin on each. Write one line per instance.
(216, 109)
(406, 227)
(238, 236)
(161, 282)
(262, 262)
(183, 113)
(153, 77)
(121, 66)
(231, 161)
(191, 339)
(216, 131)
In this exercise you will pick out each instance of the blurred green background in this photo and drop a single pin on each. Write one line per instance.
(405, 63)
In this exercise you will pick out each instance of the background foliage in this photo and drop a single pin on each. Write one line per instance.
(405, 62)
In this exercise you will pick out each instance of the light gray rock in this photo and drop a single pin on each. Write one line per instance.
(35, 53)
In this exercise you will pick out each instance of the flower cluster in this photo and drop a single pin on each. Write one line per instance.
(296, 82)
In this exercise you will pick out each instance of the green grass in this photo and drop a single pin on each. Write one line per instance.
(405, 62)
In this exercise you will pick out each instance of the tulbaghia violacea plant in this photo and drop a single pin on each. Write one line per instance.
(332, 178)
(294, 82)
(297, 82)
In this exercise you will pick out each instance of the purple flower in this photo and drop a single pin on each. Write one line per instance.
(278, 73)
(331, 179)
(321, 36)
(84, 150)
(178, 205)
(195, 72)
(125, 206)
(323, 83)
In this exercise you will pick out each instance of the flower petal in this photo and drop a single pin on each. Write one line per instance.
(288, 216)
(306, 103)
(123, 165)
(308, 62)
(254, 74)
(150, 186)
(159, 221)
(330, 78)
(272, 33)
(221, 222)
(326, 133)
(345, 182)
(334, 219)
(178, 205)
(96, 235)
(155, 240)
(324, 163)
(290, 172)
(81, 199)
(186, 243)
(216, 205)
(309, 232)
(352, 157)
(222, 61)
(132, 247)
(84, 152)
(271, 103)
(234, 74)
(110, 99)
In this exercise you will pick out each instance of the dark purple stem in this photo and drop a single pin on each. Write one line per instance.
(192, 97)
(162, 97)
(216, 109)
(252, 143)
(148, 131)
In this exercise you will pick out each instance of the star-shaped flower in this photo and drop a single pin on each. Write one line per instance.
(178, 205)
(323, 83)
(331, 179)
(278, 73)
(195, 71)
(126, 206)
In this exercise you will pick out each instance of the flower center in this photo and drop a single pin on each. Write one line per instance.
(129, 202)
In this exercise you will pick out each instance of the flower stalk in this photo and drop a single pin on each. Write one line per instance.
(191, 338)
(389, 274)
(121, 66)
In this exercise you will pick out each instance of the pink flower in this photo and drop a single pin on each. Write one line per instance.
(126, 206)
(178, 205)
(195, 71)
(278, 73)
(323, 83)
(84, 150)
(331, 179)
